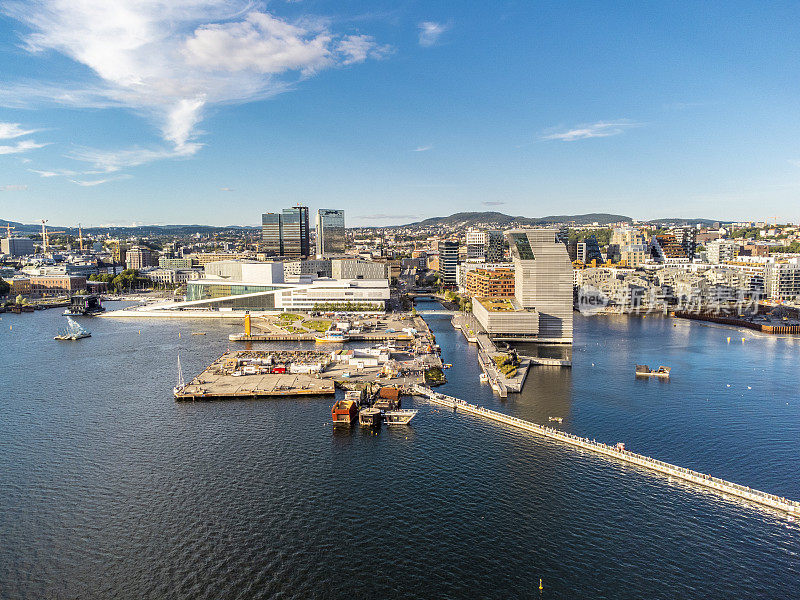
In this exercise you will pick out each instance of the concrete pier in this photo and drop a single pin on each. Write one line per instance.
(792, 507)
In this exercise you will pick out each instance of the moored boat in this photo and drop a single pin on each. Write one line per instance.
(344, 412)
(332, 336)
(399, 417)
(645, 371)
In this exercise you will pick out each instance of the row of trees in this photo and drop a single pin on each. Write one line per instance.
(128, 279)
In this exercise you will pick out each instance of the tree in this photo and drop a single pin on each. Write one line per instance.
(4, 287)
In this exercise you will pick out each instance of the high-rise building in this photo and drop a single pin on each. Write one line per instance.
(271, 234)
(331, 235)
(448, 263)
(782, 280)
(296, 237)
(494, 246)
(631, 244)
(543, 280)
(476, 243)
(286, 234)
(139, 257)
(687, 238)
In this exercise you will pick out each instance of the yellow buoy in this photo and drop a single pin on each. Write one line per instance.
(743, 340)
(179, 335)
(541, 587)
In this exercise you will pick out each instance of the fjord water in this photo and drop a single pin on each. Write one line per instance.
(110, 489)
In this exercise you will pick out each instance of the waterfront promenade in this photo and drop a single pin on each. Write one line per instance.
(618, 452)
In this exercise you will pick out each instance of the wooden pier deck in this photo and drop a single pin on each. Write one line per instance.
(791, 507)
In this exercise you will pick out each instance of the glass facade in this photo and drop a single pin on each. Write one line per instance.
(331, 236)
(209, 291)
(272, 234)
(295, 232)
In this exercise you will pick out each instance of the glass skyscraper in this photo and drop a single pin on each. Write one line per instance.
(331, 236)
(286, 234)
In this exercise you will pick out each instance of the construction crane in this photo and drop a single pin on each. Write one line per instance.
(80, 237)
(9, 229)
(46, 236)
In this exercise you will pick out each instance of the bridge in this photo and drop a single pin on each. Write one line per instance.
(443, 312)
(618, 452)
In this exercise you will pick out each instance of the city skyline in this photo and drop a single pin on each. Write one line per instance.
(392, 113)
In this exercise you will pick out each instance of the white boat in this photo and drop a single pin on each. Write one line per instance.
(73, 331)
(399, 417)
(178, 389)
(332, 336)
(484, 378)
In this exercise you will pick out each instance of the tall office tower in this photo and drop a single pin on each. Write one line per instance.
(494, 246)
(476, 243)
(331, 236)
(543, 280)
(448, 263)
(295, 232)
(272, 234)
(592, 251)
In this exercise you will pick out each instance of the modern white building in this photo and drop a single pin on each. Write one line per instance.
(721, 251)
(782, 280)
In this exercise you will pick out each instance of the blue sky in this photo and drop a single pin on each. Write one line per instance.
(214, 111)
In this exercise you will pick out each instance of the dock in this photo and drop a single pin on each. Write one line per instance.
(217, 382)
(618, 452)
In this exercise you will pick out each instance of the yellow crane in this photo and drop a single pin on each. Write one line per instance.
(9, 229)
(80, 237)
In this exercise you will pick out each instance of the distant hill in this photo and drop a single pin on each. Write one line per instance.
(142, 230)
(469, 219)
(703, 222)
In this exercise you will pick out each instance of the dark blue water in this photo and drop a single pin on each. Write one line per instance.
(109, 489)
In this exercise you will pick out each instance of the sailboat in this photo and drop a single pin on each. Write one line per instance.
(178, 389)
(73, 331)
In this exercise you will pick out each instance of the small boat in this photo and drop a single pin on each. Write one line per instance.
(645, 371)
(73, 331)
(484, 378)
(198, 333)
(556, 419)
(178, 389)
(447, 365)
(399, 417)
(332, 336)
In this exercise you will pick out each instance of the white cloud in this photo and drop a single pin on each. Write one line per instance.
(59, 173)
(429, 33)
(226, 189)
(595, 130)
(109, 161)
(13, 188)
(22, 146)
(9, 131)
(172, 60)
(358, 48)
(422, 148)
(94, 182)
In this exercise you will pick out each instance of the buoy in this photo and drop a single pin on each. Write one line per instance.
(729, 340)
(541, 587)
(179, 335)
(743, 340)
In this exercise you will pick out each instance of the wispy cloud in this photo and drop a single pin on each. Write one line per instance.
(226, 189)
(422, 148)
(430, 32)
(595, 130)
(22, 146)
(173, 61)
(13, 188)
(492, 203)
(58, 173)
(94, 182)
(9, 131)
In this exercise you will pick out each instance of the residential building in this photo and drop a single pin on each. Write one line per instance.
(19, 285)
(721, 251)
(119, 253)
(485, 283)
(782, 280)
(631, 244)
(665, 248)
(448, 263)
(494, 246)
(476, 243)
(331, 233)
(174, 263)
(687, 238)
